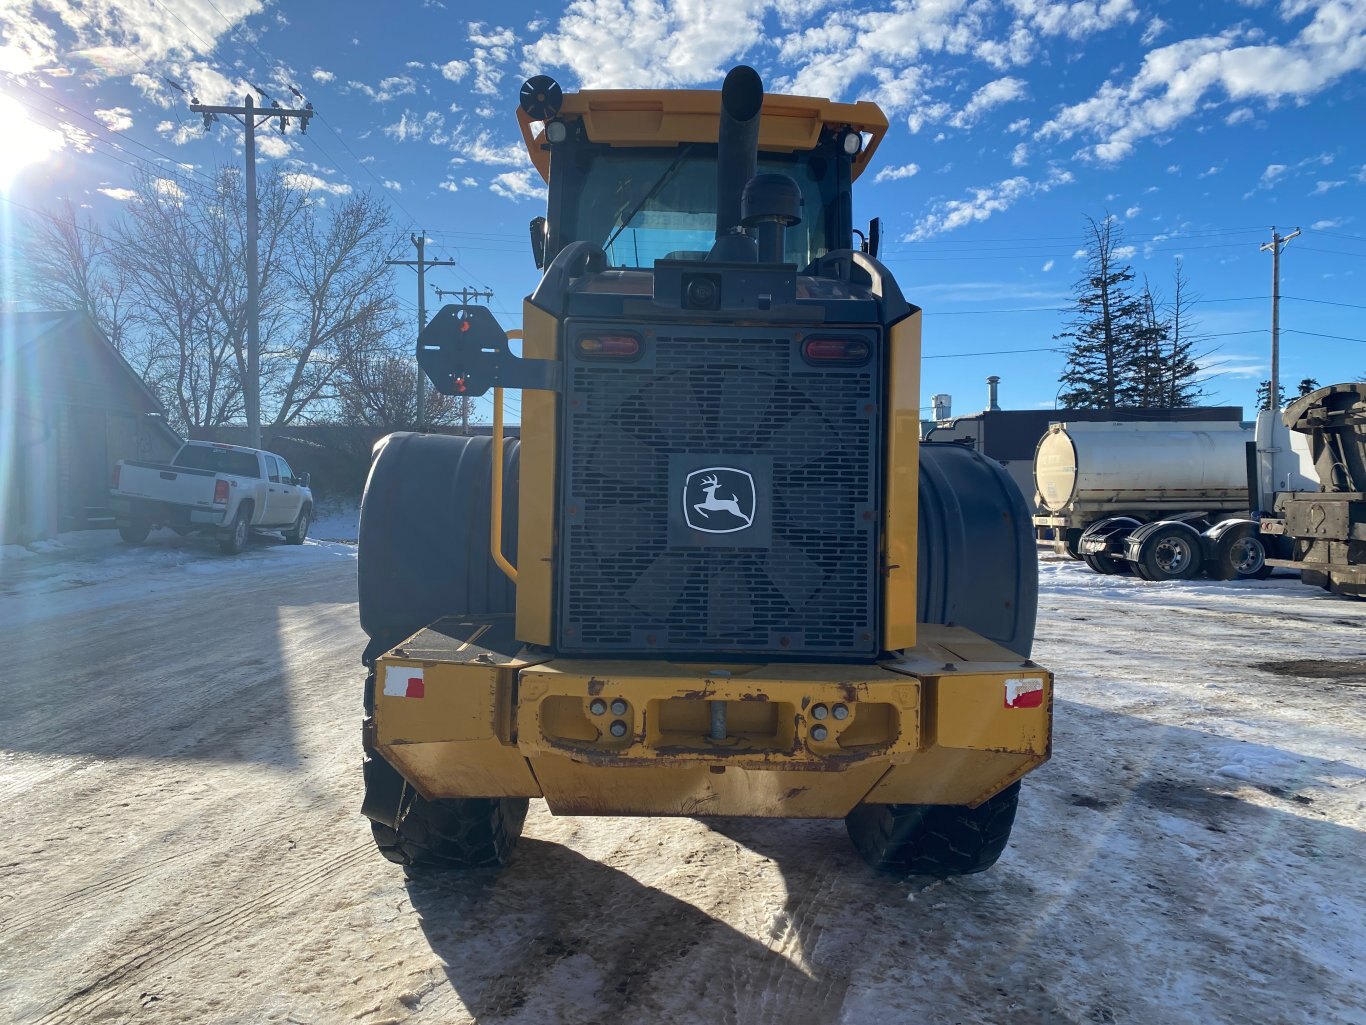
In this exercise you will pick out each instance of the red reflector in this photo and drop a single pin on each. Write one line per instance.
(607, 346)
(835, 350)
(114, 477)
(220, 492)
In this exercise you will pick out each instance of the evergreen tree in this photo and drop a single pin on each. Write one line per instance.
(1180, 362)
(1107, 337)
(1306, 385)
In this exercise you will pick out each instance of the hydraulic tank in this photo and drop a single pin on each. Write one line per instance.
(1104, 466)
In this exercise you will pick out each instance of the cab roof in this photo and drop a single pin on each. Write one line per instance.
(655, 117)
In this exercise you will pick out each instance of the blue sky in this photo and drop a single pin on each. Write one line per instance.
(1196, 126)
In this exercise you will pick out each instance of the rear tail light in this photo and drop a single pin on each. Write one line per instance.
(220, 492)
(608, 346)
(836, 350)
(114, 477)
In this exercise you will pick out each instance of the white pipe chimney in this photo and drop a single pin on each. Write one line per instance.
(992, 405)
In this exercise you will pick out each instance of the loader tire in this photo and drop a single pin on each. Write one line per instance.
(934, 839)
(978, 561)
(423, 550)
(464, 833)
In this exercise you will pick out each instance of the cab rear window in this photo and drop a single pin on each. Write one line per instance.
(219, 460)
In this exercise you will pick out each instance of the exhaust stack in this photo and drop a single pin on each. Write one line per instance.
(737, 157)
(992, 405)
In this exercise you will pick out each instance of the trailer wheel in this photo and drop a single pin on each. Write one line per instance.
(1239, 555)
(473, 832)
(1170, 551)
(1105, 565)
(934, 839)
(135, 532)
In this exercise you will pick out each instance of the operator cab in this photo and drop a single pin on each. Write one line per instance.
(636, 174)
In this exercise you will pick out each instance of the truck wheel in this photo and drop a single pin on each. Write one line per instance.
(472, 832)
(236, 538)
(1239, 555)
(1171, 551)
(295, 535)
(135, 532)
(934, 839)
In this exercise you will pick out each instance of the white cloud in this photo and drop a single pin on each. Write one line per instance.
(322, 75)
(1019, 156)
(1124, 252)
(890, 174)
(116, 119)
(412, 127)
(389, 183)
(1132, 212)
(1154, 29)
(1321, 187)
(1022, 125)
(455, 70)
(273, 146)
(388, 88)
(449, 186)
(1210, 171)
(993, 94)
(1238, 115)
(519, 185)
(1048, 266)
(983, 202)
(122, 195)
(169, 188)
(1236, 66)
(468, 182)
(1326, 225)
(312, 183)
(483, 150)
(1076, 20)
(493, 48)
(1274, 173)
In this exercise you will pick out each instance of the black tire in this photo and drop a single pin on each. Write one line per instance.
(978, 560)
(473, 832)
(1105, 565)
(934, 839)
(1239, 554)
(424, 534)
(135, 532)
(1171, 551)
(295, 535)
(235, 540)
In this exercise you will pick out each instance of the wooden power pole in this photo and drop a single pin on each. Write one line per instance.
(250, 117)
(421, 263)
(1276, 244)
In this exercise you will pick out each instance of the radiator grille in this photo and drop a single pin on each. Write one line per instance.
(626, 583)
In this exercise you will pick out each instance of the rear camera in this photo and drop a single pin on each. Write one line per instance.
(702, 292)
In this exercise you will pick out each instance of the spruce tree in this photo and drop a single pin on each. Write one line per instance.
(1180, 362)
(1107, 340)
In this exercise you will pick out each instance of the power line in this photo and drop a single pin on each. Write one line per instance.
(1316, 334)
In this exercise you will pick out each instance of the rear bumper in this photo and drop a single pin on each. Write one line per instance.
(127, 509)
(953, 722)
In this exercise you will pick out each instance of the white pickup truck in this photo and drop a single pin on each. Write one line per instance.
(224, 490)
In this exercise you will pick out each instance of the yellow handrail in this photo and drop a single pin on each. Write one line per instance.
(496, 508)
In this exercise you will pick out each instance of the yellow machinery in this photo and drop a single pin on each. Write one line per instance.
(717, 574)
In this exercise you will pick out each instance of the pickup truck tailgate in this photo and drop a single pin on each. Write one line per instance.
(161, 482)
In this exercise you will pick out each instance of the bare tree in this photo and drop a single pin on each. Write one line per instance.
(379, 389)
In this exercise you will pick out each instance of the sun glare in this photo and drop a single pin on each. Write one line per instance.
(21, 141)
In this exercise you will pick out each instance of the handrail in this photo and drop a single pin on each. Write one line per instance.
(496, 507)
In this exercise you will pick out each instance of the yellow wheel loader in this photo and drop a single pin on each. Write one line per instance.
(717, 574)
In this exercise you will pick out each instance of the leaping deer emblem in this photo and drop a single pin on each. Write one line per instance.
(711, 484)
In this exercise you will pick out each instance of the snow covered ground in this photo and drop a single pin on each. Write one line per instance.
(178, 765)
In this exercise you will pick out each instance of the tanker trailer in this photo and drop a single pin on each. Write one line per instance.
(1164, 500)
(1324, 531)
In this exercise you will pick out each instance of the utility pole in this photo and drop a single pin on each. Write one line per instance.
(466, 294)
(247, 116)
(421, 263)
(1277, 243)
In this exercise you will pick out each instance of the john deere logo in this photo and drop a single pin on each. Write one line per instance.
(718, 500)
